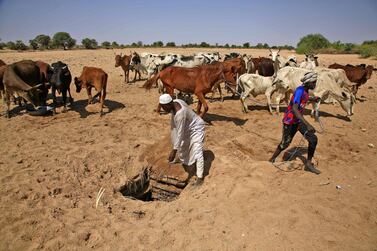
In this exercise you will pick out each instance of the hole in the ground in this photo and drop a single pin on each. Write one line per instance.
(151, 184)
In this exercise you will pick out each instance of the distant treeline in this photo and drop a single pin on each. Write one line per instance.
(312, 43)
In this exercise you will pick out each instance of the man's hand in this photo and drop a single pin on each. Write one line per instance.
(172, 155)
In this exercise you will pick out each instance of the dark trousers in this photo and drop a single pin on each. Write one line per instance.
(289, 131)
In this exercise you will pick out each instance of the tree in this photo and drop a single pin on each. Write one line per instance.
(246, 45)
(19, 45)
(114, 45)
(33, 44)
(311, 43)
(139, 43)
(89, 43)
(63, 39)
(170, 44)
(226, 45)
(204, 44)
(43, 41)
(11, 45)
(106, 44)
(158, 44)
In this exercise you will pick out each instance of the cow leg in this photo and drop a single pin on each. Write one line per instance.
(90, 98)
(243, 100)
(6, 102)
(221, 94)
(268, 94)
(64, 94)
(102, 99)
(70, 96)
(54, 103)
(202, 100)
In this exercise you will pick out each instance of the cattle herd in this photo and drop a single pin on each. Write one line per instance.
(199, 74)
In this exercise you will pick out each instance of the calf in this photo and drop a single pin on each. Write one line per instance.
(255, 84)
(125, 63)
(93, 77)
(60, 81)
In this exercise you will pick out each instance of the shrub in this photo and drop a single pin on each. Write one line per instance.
(106, 44)
(89, 43)
(312, 43)
(64, 40)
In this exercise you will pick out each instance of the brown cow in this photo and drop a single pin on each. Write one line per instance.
(92, 77)
(198, 80)
(46, 71)
(2, 70)
(125, 63)
(358, 74)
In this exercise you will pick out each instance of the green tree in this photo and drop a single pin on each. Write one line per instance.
(204, 44)
(19, 45)
(170, 44)
(89, 43)
(33, 44)
(11, 45)
(114, 45)
(43, 41)
(246, 45)
(106, 44)
(158, 44)
(64, 40)
(139, 44)
(312, 43)
(226, 45)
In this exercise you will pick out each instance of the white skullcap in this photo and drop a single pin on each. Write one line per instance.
(309, 77)
(165, 99)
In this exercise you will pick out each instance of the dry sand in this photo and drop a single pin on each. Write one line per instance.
(51, 169)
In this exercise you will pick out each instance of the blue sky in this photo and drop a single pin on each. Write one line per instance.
(218, 21)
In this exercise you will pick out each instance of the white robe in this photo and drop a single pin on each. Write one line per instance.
(187, 134)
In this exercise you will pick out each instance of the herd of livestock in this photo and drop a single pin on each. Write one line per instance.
(199, 74)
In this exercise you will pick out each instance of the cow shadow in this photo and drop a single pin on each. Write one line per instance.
(209, 118)
(209, 157)
(81, 105)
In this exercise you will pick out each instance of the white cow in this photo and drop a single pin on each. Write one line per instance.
(255, 85)
(191, 61)
(310, 62)
(280, 61)
(289, 78)
(250, 66)
(211, 56)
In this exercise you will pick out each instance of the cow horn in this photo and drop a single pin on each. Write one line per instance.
(35, 87)
(279, 50)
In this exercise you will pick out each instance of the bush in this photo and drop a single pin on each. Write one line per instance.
(312, 43)
(367, 50)
(64, 40)
(42, 41)
(204, 44)
(89, 43)
(18, 45)
(106, 44)
(114, 45)
(33, 44)
(158, 44)
(170, 44)
(246, 45)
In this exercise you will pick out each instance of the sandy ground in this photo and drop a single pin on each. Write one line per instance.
(51, 169)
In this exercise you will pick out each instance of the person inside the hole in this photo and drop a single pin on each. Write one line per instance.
(294, 121)
(187, 134)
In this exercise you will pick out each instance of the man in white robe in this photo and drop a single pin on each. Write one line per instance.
(187, 134)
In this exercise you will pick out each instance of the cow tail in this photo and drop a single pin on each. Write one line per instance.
(152, 81)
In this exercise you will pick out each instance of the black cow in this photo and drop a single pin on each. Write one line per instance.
(60, 81)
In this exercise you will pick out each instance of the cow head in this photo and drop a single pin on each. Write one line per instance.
(274, 54)
(60, 74)
(118, 60)
(369, 70)
(78, 84)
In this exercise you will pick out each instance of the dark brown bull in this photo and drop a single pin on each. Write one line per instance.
(265, 67)
(358, 74)
(23, 79)
(93, 77)
(198, 80)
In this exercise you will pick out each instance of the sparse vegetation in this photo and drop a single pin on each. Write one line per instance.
(89, 43)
